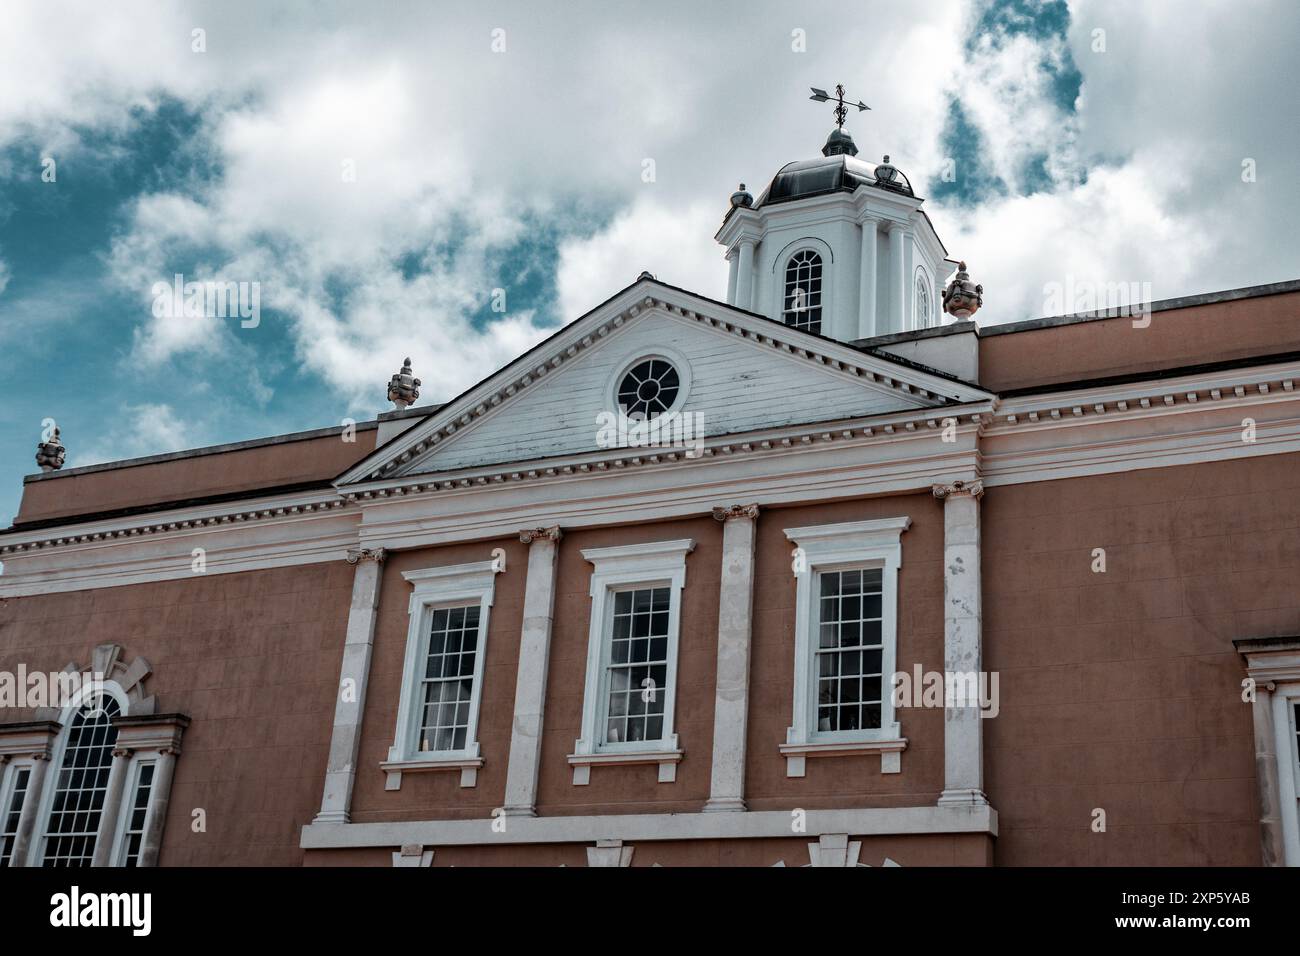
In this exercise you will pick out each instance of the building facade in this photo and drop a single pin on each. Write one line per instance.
(826, 574)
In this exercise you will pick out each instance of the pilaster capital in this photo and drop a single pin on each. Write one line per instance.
(357, 555)
(529, 535)
(736, 511)
(957, 489)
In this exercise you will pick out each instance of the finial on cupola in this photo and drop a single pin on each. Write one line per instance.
(403, 387)
(50, 454)
(963, 297)
(741, 197)
(839, 141)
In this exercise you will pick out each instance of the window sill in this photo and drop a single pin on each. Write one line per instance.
(468, 767)
(889, 750)
(666, 759)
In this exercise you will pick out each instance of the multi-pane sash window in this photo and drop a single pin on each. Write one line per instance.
(136, 812)
(845, 642)
(802, 303)
(448, 682)
(638, 665)
(850, 650)
(442, 675)
(630, 690)
(10, 814)
(81, 784)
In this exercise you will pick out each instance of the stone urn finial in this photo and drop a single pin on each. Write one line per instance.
(742, 197)
(50, 454)
(887, 172)
(963, 297)
(403, 387)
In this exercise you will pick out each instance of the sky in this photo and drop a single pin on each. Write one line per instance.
(452, 182)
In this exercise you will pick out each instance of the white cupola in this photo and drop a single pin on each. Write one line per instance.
(836, 246)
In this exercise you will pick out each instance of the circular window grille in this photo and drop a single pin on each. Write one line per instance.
(648, 389)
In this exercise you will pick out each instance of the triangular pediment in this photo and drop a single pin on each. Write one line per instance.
(738, 372)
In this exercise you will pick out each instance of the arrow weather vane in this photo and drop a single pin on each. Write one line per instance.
(841, 111)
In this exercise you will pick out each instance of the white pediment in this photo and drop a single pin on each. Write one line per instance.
(738, 372)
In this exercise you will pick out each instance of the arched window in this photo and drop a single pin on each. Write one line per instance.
(802, 303)
(924, 308)
(82, 784)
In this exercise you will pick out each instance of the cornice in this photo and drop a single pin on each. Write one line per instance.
(189, 520)
(876, 429)
(1252, 385)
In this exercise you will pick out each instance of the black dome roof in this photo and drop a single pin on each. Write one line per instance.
(837, 171)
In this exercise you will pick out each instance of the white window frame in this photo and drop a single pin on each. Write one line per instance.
(1285, 698)
(822, 292)
(50, 787)
(623, 568)
(842, 547)
(8, 783)
(133, 771)
(921, 282)
(433, 588)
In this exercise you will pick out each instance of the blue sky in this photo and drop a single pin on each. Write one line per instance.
(517, 161)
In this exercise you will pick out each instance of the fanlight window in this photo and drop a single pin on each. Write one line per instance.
(648, 389)
(923, 309)
(82, 784)
(802, 304)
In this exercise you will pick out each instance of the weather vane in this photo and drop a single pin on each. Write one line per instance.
(841, 111)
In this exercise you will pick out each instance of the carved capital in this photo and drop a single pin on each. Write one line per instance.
(972, 488)
(357, 555)
(530, 535)
(736, 511)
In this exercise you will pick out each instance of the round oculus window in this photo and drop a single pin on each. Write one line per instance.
(648, 388)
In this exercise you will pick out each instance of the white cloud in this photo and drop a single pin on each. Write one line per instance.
(137, 431)
(674, 244)
(459, 152)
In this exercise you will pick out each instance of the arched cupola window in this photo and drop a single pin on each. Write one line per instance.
(801, 305)
(924, 305)
(82, 784)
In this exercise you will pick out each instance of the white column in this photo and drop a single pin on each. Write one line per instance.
(963, 751)
(745, 279)
(107, 834)
(735, 624)
(341, 771)
(156, 816)
(733, 270)
(1272, 841)
(867, 281)
(897, 279)
(31, 803)
(530, 684)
